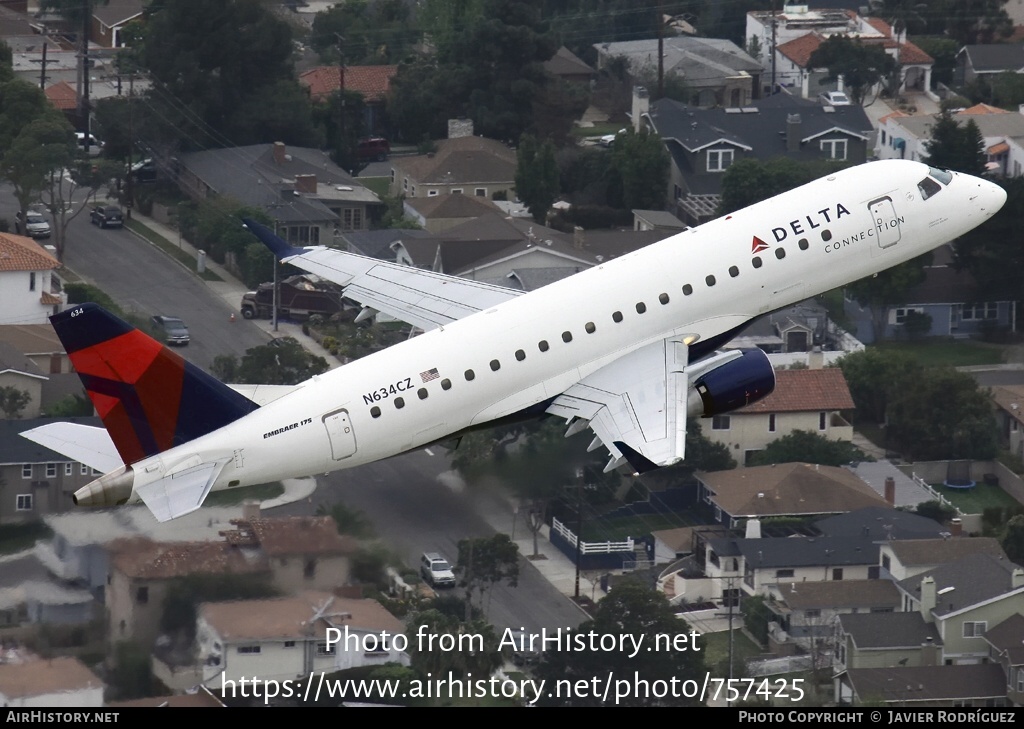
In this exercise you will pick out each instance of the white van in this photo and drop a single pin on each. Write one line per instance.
(95, 146)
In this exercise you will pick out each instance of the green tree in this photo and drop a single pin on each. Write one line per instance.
(284, 363)
(970, 22)
(703, 454)
(440, 643)
(956, 147)
(70, 406)
(536, 176)
(642, 617)
(1013, 539)
(935, 510)
(992, 251)
(875, 377)
(887, 289)
(349, 521)
(859, 65)
(485, 561)
(371, 33)
(756, 616)
(802, 446)
(13, 401)
(641, 162)
(749, 181)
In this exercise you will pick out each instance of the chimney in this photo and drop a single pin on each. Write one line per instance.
(641, 106)
(279, 153)
(927, 598)
(250, 509)
(815, 358)
(306, 183)
(890, 491)
(1017, 579)
(793, 123)
(956, 527)
(929, 653)
(753, 529)
(461, 127)
(577, 237)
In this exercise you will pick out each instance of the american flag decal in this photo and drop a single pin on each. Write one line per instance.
(429, 375)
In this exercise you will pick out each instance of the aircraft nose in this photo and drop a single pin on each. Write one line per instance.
(991, 197)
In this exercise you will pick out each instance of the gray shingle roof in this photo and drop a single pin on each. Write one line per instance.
(888, 630)
(792, 552)
(995, 57)
(880, 523)
(966, 582)
(907, 684)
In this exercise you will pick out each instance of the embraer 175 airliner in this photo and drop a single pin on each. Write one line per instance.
(628, 349)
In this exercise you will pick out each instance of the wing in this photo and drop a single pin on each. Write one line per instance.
(422, 298)
(88, 444)
(637, 405)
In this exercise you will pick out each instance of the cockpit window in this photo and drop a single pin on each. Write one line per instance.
(928, 187)
(943, 176)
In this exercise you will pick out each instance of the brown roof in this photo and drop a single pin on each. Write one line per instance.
(679, 539)
(287, 618)
(567, 63)
(141, 558)
(982, 109)
(799, 50)
(1009, 397)
(463, 160)
(840, 594)
(62, 96)
(789, 489)
(200, 698)
(805, 391)
(919, 552)
(31, 338)
(373, 82)
(291, 535)
(20, 253)
(34, 678)
(452, 206)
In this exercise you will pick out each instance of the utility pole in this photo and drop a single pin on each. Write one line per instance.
(342, 152)
(660, 26)
(42, 71)
(83, 110)
(579, 528)
(775, 25)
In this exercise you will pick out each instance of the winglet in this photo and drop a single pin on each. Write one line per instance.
(277, 245)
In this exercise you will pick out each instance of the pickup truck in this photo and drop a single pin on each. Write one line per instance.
(300, 296)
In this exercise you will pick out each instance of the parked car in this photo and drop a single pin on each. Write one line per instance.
(34, 225)
(94, 148)
(143, 171)
(170, 329)
(107, 215)
(373, 148)
(835, 98)
(436, 570)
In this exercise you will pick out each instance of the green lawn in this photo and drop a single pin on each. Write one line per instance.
(716, 648)
(234, 497)
(949, 352)
(598, 130)
(612, 530)
(377, 185)
(976, 500)
(170, 249)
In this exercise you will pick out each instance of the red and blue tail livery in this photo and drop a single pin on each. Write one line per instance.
(149, 398)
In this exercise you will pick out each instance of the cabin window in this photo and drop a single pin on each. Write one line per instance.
(495, 365)
(566, 337)
(710, 280)
(617, 316)
(826, 235)
(687, 290)
(520, 355)
(470, 375)
(589, 326)
(399, 403)
(733, 271)
(641, 307)
(422, 393)
(804, 245)
(756, 262)
(375, 412)
(780, 253)
(663, 298)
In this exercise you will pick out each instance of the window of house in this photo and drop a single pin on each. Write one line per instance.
(812, 613)
(32, 281)
(784, 573)
(289, 644)
(837, 573)
(886, 562)
(412, 191)
(834, 148)
(142, 595)
(83, 469)
(431, 193)
(977, 312)
(771, 423)
(720, 422)
(392, 175)
(309, 568)
(975, 628)
(883, 137)
(256, 648)
(457, 191)
(719, 159)
(26, 470)
(69, 469)
(51, 470)
(405, 184)
(322, 649)
(1020, 679)
(899, 316)
(24, 502)
(821, 421)
(718, 513)
(480, 192)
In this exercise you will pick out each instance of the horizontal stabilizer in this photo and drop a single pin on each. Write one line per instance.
(86, 444)
(180, 493)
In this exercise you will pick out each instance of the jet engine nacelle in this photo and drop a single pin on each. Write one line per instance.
(734, 384)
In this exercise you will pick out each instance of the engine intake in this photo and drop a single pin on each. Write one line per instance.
(735, 384)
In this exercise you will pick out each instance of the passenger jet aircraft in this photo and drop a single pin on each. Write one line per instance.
(627, 349)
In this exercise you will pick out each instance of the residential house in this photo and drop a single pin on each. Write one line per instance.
(904, 558)
(717, 72)
(1008, 401)
(39, 344)
(1006, 648)
(53, 683)
(287, 638)
(811, 400)
(885, 640)
(464, 165)
(441, 212)
(899, 489)
(567, 66)
(704, 143)
(657, 219)
(962, 599)
(373, 83)
(109, 20)
(883, 524)
(308, 196)
(907, 137)
(35, 481)
(201, 697)
(800, 328)
(927, 687)
(785, 489)
(29, 288)
(21, 373)
(795, 32)
(986, 61)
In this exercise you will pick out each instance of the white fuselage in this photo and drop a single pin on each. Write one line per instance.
(852, 224)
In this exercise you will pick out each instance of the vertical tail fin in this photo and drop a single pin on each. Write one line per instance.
(149, 398)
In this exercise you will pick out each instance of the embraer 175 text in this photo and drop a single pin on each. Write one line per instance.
(629, 348)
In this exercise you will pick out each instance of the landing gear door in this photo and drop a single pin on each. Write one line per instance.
(343, 438)
(887, 223)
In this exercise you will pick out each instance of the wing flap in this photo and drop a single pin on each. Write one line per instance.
(179, 493)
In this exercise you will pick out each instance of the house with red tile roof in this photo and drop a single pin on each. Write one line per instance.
(812, 399)
(372, 82)
(29, 288)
